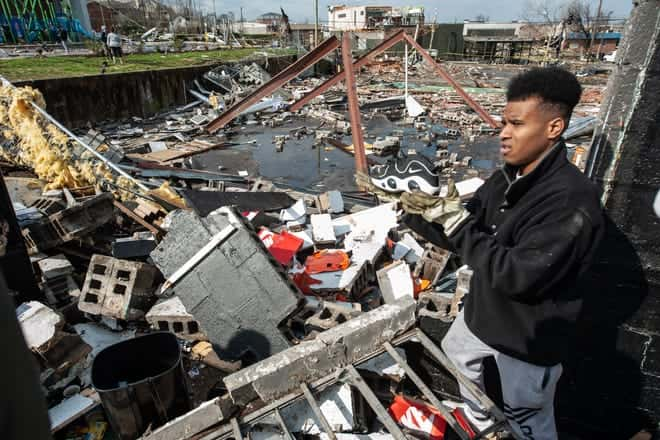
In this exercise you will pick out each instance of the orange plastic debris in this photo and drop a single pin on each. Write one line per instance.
(328, 260)
(304, 282)
(419, 285)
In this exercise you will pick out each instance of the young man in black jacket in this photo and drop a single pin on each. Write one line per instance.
(528, 234)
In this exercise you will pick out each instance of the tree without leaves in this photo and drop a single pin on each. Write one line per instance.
(579, 16)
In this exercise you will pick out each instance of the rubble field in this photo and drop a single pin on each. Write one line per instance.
(214, 284)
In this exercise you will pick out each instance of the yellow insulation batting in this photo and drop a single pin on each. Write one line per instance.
(45, 148)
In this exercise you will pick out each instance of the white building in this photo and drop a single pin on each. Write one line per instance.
(351, 18)
(480, 29)
(252, 28)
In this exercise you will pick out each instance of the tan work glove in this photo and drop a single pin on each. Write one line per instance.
(447, 211)
(363, 181)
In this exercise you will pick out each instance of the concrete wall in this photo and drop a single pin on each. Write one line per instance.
(76, 101)
(612, 385)
(447, 38)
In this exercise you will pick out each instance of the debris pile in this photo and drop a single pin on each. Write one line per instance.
(248, 306)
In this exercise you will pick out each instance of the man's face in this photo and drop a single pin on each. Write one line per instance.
(529, 130)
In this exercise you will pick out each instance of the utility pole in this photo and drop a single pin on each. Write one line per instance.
(241, 19)
(316, 23)
(432, 33)
(594, 28)
(215, 19)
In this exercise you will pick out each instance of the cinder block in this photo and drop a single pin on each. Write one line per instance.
(463, 278)
(329, 316)
(70, 223)
(171, 315)
(118, 289)
(239, 293)
(60, 289)
(432, 264)
(435, 305)
(311, 360)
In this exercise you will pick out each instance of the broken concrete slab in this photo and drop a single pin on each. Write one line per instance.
(331, 202)
(55, 266)
(70, 409)
(336, 403)
(467, 188)
(322, 230)
(139, 245)
(43, 332)
(119, 289)
(352, 280)
(416, 250)
(170, 314)
(39, 324)
(381, 218)
(204, 202)
(207, 414)
(383, 365)
(239, 293)
(332, 350)
(294, 212)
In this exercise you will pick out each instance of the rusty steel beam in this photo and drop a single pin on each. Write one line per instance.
(295, 69)
(447, 77)
(353, 105)
(339, 77)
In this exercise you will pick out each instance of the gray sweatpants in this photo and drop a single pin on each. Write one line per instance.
(528, 390)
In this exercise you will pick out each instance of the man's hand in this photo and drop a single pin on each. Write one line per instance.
(447, 211)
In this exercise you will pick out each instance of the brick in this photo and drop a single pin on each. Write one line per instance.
(238, 293)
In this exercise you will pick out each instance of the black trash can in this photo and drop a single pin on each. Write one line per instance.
(141, 383)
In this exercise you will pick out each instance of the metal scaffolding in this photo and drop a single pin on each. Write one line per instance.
(29, 21)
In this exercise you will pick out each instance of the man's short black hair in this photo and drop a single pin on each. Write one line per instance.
(556, 87)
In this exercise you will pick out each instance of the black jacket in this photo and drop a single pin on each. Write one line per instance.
(528, 241)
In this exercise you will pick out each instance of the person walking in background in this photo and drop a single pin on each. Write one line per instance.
(114, 44)
(63, 36)
(104, 40)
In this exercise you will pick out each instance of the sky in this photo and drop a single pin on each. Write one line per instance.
(447, 11)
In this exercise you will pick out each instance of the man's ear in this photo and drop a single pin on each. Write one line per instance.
(555, 127)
